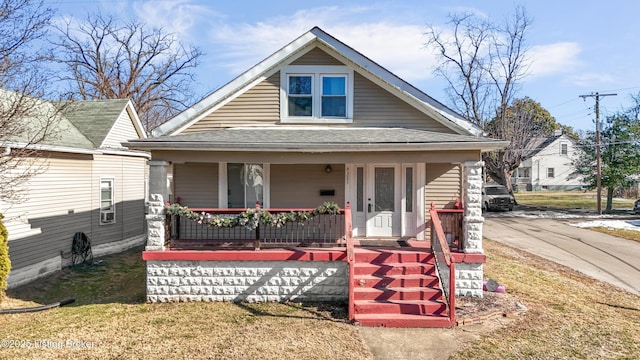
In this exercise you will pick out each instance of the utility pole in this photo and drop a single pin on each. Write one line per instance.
(598, 156)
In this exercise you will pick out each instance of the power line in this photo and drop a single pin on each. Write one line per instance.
(598, 155)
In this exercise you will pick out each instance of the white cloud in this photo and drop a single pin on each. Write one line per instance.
(397, 46)
(179, 17)
(555, 58)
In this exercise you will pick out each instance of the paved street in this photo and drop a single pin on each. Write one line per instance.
(604, 257)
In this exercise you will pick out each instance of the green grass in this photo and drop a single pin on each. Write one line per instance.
(110, 313)
(570, 316)
(568, 200)
(622, 233)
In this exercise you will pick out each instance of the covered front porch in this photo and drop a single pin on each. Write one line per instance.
(281, 214)
(280, 254)
(408, 286)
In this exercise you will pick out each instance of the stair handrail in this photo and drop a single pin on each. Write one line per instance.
(348, 229)
(439, 246)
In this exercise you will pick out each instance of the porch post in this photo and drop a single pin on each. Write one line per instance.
(158, 193)
(469, 276)
(155, 223)
(158, 178)
(473, 207)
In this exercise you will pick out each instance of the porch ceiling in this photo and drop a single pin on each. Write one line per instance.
(317, 139)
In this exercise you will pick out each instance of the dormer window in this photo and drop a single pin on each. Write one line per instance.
(316, 94)
(300, 95)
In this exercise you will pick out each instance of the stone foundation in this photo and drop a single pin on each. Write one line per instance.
(469, 279)
(251, 281)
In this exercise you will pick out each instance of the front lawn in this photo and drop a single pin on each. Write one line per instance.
(569, 200)
(570, 316)
(110, 320)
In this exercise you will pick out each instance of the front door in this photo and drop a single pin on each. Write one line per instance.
(383, 200)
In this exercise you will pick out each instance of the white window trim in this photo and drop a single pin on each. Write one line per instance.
(223, 185)
(553, 170)
(567, 146)
(113, 198)
(316, 72)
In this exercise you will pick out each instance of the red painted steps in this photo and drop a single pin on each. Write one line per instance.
(397, 288)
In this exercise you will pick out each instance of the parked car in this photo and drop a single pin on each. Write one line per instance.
(636, 207)
(496, 197)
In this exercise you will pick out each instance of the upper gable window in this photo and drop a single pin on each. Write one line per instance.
(564, 149)
(317, 94)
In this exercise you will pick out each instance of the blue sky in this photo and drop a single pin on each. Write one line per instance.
(576, 47)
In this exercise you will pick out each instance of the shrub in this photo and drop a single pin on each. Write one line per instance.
(5, 262)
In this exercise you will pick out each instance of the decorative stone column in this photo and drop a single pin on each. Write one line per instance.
(469, 275)
(155, 223)
(473, 207)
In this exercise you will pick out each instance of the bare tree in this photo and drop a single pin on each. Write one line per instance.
(26, 121)
(108, 59)
(483, 63)
(523, 124)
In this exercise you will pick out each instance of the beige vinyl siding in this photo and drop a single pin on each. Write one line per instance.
(133, 196)
(259, 106)
(64, 200)
(443, 187)
(375, 107)
(298, 186)
(58, 203)
(128, 175)
(316, 57)
(196, 184)
(121, 131)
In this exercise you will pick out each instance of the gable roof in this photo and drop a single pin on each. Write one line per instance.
(538, 144)
(78, 126)
(313, 38)
(96, 118)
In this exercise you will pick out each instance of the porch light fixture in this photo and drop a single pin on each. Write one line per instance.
(328, 169)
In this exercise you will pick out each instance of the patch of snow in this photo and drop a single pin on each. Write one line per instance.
(611, 224)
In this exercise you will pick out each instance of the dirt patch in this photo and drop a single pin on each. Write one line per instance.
(470, 310)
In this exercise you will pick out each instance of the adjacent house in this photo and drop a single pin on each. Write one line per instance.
(549, 165)
(314, 122)
(86, 181)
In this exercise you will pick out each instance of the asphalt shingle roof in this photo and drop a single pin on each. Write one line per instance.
(291, 137)
(95, 118)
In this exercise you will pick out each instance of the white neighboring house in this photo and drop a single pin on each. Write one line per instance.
(548, 166)
(90, 183)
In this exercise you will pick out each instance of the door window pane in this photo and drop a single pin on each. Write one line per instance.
(409, 190)
(384, 185)
(360, 189)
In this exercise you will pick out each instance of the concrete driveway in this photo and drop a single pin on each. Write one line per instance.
(604, 257)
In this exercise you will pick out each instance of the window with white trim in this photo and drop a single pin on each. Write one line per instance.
(316, 94)
(564, 149)
(107, 203)
(550, 172)
(245, 185)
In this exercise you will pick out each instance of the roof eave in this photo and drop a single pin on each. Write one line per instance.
(482, 146)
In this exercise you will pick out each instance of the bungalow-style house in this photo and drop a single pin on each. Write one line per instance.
(548, 165)
(317, 122)
(86, 181)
